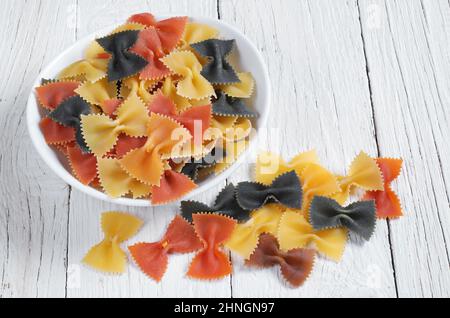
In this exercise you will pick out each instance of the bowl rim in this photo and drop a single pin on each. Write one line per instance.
(41, 146)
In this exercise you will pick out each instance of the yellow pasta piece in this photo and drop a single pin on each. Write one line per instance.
(170, 90)
(245, 236)
(269, 166)
(116, 182)
(243, 89)
(363, 173)
(135, 86)
(108, 256)
(295, 232)
(193, 85)
(97, 93)
(316, 180)
(197, 32)
(93, 67)
(100, 131)
(230, 129)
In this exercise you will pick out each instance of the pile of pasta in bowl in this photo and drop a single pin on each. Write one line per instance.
(153, 108)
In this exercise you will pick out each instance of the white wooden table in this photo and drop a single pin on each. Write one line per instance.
(350, 75)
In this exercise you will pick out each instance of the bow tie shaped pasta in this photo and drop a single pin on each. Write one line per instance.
(192, 85)
(295, 232)
(363, 173)
(101, 93)
(51, 94)
(243, 88)
(245, 236)
(173, 185)
(197, 32)
(93, 67)
(196, 115)
(163, 135)
(225, 204)
(316, 180)
(169, 31)
(295, 265)
(358, 217)
(68, 114)
(149, 46)
(217, 70)
(123, 63)
(231, 106)
(116, 182)
(286, 190)
(269, 165)
(387, 201)
(83, 165)
(108, 256)
(213, 230)
(101, 131)
(152, 258)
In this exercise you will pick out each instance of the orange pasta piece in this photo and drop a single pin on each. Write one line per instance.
(386, 201)
(84, 166)
(52, 94)
(173, 186)
(152, 258)
(195, 116)
(127, 143)
(150, 48)
(55, 133)
(145, 163)
(211, 262)
(169, 31)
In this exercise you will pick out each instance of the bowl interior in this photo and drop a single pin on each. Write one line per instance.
(246, 57)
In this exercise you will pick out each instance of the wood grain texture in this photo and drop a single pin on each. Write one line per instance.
(33, 218)
(347, 75)
(321, 97)
(407, 46)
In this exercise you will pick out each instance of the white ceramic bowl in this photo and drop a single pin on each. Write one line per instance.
(246, 56)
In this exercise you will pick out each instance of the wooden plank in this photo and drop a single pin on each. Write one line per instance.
(320, 100)
(85, 212)
(33, 218)
(407, 46)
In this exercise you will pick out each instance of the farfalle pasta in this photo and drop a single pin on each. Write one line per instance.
(108, 256)
(147, 103)
(211, 262)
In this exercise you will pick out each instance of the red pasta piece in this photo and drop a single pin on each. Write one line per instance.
(200, 115)
(84, 166)
(52, 94)
(109, 106)
(146, 19)
(127, 143)
(55, 133)
(387, 202)
(152, 258)
(295, 265)
(150, 48)
(169, 31)
(211, 262)
(173, 185)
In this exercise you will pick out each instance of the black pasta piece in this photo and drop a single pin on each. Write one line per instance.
(217, 70)
(225, 204)
(68, 114)
(358, 217)
(123, 63)
(230, 106)
(286, 190)
(191, 168)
